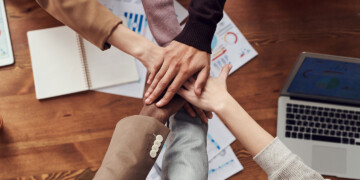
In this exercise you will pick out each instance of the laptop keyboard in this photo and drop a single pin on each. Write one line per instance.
(322, 124)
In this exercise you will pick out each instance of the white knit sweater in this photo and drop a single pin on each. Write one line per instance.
(280, 163)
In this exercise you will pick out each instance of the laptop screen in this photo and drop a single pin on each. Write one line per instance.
(327, 78)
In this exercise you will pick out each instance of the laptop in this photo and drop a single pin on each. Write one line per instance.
(319, 113)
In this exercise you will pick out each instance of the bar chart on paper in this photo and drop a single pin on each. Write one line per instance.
(229, 46)
(137, 23)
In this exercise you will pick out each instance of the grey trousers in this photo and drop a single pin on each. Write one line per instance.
(186, 157)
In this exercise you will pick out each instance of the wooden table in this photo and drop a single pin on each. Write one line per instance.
(71, 133)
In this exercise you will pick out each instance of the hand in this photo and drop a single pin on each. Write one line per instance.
(181, 62)
(193, 110)
(162, 114)
(214, 94)
(152, 59)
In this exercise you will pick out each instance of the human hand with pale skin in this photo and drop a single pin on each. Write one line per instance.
(180, 63)
(216, 98)
(155, 59)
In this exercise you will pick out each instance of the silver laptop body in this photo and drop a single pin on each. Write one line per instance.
(319, 113)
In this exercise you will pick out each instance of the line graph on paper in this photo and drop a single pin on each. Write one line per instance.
(212, 144)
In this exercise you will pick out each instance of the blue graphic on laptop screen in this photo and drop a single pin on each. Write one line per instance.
(328, 78)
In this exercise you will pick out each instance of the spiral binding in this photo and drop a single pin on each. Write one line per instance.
(84, 61)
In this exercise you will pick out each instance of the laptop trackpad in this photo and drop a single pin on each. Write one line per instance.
(329, 159)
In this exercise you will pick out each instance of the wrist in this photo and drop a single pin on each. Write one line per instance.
(225, 103)
(146, 50)
(130, 42)
(154, 114)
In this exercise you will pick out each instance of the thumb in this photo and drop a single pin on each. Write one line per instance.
(225, 72)
(201, 81)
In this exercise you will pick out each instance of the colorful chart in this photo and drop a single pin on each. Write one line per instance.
(212, 140)
(231, 38)
(136, 22)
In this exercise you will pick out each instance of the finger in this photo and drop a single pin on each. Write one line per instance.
(188, 85)
(186, 94)
(192, 80)
(173, 88)
(189, 110)
(164, 82)
(225, 72)
(156, 80)
(151, 77)
(201, 81)
(208, 114)
(201, 114)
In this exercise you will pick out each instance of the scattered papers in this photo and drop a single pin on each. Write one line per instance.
(218, 137)
(222, 161)
(229, 46)
(224, 165)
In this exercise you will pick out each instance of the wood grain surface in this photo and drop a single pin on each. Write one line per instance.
(61, 137)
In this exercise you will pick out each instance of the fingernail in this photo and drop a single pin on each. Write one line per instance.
(159, 103)
(147, 94)
(147, 101)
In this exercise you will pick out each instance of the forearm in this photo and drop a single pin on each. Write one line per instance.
(89, 18)
(200, 28)
(250, 134)
(162, 20)
(280, 163)
(132, 43)
(128, 155)
(185, 156)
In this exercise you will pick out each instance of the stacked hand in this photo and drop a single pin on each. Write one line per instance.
(180, 63)
(214, 94)
(177, 63)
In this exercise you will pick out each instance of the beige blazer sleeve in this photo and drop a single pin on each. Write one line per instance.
(89, 18)
(128, 156)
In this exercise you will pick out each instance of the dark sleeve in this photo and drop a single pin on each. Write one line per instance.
(200, 28)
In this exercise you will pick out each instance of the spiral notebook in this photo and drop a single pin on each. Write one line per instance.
(65, 63)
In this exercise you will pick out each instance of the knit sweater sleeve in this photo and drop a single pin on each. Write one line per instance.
(280, 163)
(200, 28)
(162, 20)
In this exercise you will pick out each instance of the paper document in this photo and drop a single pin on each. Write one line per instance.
(229, 46)
(218, 137)
(224, 165)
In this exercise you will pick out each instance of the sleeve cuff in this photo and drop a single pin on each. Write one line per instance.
(197, 35)
(272, 156)
(103, 44)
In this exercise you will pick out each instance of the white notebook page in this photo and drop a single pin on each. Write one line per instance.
(56, 62)
(110, 67)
